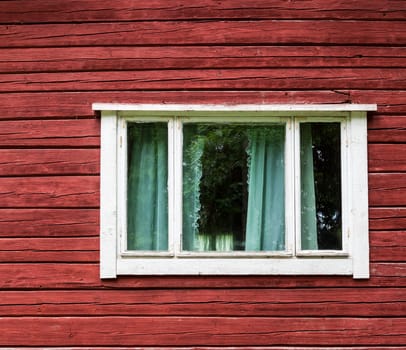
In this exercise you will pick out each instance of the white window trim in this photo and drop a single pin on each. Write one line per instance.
(353, 262)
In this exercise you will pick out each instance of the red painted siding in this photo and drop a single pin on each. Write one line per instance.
(58, 57)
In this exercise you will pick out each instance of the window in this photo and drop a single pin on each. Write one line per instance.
(249, 189)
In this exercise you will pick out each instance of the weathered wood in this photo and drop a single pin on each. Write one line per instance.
(192, 57)
(388, 101)
(385, 247)
(388, 254)
(204, 33)
(142, 331)
(52, 191)
(49, 249)
(34, 11)
(387, 189)
(72, 276)
(73, 104)
(313, 51)
(271, 347)
(49, 161)
(207, 302)
(387, 218)
(387, 157)
(387, 129)
(82, 191)
(388, 246)
(49, 222)
(34, 133)
(220, 79)
(63, 104)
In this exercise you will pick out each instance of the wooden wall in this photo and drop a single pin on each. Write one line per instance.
(58, 57)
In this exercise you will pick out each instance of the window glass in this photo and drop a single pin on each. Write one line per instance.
(233, 187)
(147, 191)
(320, 169)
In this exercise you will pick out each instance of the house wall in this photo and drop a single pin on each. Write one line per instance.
(58, 57)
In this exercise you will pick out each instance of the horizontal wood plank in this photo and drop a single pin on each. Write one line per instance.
(65, 191)
(196, 79)
(272, 32)
(387, 218)
(143, 331)
(387, 129)
(49, 249)
(191, 57)
(387, 189)
(74, 104)
(270, 347)
(373, 302)
(76, 275)
(86, 132)
(49, 222)
(49, 162)
(387, 157)
(385, 246)
(55, 133)
(82, 191)
(34, 11)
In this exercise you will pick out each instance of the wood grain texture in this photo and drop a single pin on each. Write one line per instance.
(66, 192)
(59, 57)
(387, 189)
(211, 79)
(86, 276)
(271, 32)
(34, 11)
(389, 129)
(112, 58)
(142, 331)
(82, 191)
(387, 218)
(79, 104)
(271, 347)
(387, 246)
(49, 222)
(387, 157)
(324, 302)
(49, 249)
(54, 133)
(26, 162)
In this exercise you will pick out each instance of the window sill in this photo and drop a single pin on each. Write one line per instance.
(236, 266)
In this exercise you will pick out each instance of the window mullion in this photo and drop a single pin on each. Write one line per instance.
(289, 187)
(296, 184)
(175, 183)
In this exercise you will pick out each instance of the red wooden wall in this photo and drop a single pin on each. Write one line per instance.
(57, 57)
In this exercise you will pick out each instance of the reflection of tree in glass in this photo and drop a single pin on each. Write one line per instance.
(327, 177)
(223, 186)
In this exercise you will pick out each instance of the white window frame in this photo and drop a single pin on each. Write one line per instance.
(352, 260)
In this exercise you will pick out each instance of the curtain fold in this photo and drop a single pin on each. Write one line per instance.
(147, 199)
(265, 230)
(307, 190)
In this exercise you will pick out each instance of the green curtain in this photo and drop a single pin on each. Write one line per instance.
(193, 240)
(307, 190)
(265, 227)
(266, 194)
(147, 199)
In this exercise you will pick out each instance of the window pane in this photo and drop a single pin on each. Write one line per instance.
(320, 168)
(147, 192)
(233, 187)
